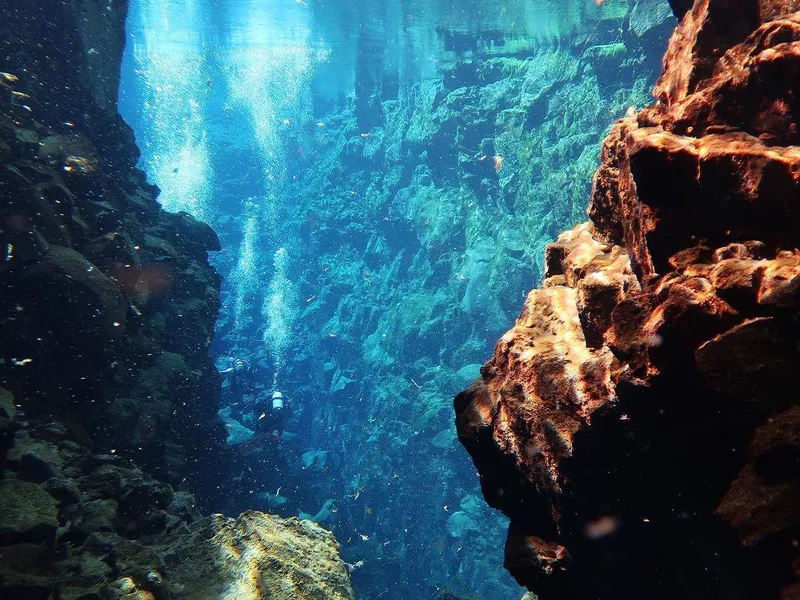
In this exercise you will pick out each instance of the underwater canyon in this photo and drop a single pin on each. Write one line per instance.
(251, 250)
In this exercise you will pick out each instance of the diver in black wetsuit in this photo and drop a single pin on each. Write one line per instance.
(271, 414)
(240, 382)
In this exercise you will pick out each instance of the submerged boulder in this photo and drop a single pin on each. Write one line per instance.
(647, 15)
(27, 513)
(255, 556)
(67, 279)
(8, 411)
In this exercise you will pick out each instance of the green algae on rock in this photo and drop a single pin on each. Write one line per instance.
(27, 513)
(84, 525)
(257, 555)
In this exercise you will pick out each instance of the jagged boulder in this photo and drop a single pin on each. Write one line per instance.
(28, 513)
(638, 424)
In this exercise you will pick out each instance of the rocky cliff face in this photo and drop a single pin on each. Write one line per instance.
(108, 302)
(107, 309)
(639, 423)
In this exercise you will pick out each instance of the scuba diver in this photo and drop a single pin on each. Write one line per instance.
(240, 382)
(271, 413)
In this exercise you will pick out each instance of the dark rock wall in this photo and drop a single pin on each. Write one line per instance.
(69, 55)
(108, 303)
(107, 309)
(638, 424)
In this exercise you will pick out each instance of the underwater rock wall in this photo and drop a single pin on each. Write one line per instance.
(418, 238)
(107, 309)
(108, 303)
(638, 424)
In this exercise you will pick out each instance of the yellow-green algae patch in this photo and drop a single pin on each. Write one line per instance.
(260, 556)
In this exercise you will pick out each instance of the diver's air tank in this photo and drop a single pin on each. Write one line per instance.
(277, 401)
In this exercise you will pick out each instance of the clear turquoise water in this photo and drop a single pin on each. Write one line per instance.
(383, 177)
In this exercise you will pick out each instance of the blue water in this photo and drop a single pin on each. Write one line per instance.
(383, 186)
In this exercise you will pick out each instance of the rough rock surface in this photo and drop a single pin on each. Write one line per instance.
(639, 423)
(74, 524)
(107, 303)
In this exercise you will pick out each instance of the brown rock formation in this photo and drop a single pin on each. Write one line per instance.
(639, 424)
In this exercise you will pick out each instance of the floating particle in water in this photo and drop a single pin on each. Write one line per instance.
(654, 341)
(601, 527)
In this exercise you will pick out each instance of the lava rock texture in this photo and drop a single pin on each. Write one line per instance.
(639, 424)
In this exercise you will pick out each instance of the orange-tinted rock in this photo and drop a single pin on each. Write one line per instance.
(639, 422)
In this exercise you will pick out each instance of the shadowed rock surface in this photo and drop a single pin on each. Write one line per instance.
(108, 303)
(638, 424)
(107, 309)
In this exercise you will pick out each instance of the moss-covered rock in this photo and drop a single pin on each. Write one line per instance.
(257, 556)
(101, 528)
(8, 411)
(647, 15)
(27, 513)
